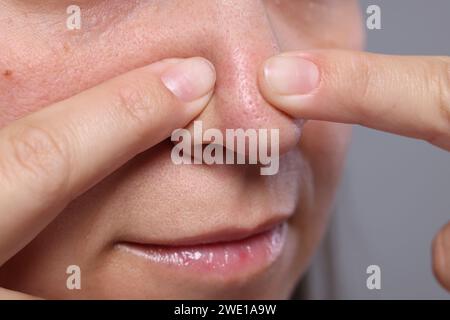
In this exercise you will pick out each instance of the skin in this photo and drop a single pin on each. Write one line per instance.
(60, 212)
(149, 197)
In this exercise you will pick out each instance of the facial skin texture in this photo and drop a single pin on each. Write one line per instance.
(150, 198)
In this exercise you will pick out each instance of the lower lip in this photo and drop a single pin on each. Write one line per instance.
(257, 251)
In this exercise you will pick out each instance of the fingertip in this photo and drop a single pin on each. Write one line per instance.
(291, 75)
(190, 80)
(440, 250)
(290, 83)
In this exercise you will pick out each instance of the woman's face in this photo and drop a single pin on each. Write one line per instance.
(141, 233)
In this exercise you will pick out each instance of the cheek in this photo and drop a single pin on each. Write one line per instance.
(25, 89)
(42, 61)
(324, 146)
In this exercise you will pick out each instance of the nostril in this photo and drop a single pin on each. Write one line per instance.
(232, 110)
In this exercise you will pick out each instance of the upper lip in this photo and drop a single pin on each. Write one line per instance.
(225, 235)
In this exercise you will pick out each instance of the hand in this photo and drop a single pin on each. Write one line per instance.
(408, 96)
(52, 156)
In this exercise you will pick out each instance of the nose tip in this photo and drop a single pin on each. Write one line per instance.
(238, 104)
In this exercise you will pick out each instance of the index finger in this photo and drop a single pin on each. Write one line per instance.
(404, 95)
(50, 157)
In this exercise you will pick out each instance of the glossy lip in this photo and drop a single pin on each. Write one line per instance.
(236, 255)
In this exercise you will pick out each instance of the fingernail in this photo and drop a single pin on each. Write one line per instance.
(291, 75)
(190, 79)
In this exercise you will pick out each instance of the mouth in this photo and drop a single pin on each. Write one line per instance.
(218, 255)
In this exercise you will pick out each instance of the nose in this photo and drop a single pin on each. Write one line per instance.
(237, 36)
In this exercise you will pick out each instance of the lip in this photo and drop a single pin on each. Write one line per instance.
(236, 255)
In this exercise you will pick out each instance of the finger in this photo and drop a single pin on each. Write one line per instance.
(403, 95)
(6, 294)
(54, 155)
(441, 256)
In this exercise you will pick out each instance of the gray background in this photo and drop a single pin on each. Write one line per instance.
(396, 192)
